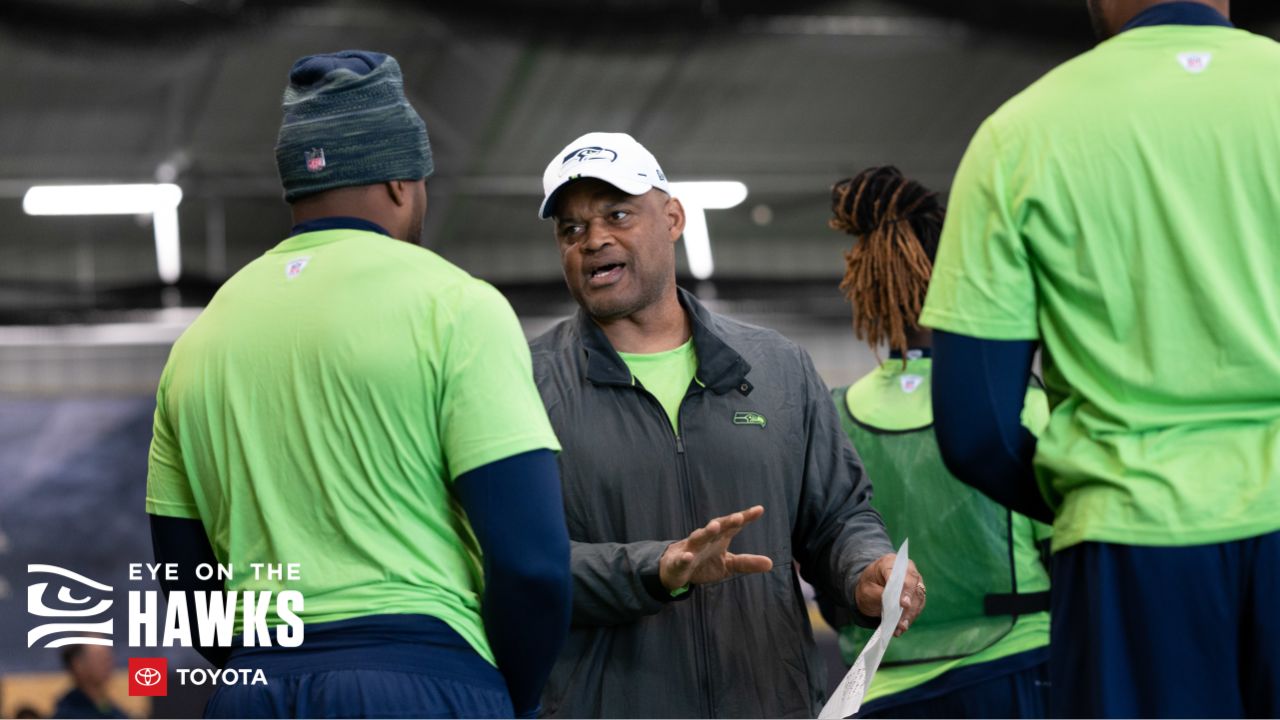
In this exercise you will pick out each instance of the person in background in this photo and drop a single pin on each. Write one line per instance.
(982, 649)
(90, 668)
(352, 403)
(1123, 213)
(686, 433)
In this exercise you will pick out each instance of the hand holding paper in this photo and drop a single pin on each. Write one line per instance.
(891, 588)
(872, 600)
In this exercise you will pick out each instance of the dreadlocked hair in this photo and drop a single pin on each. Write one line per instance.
(896, 223)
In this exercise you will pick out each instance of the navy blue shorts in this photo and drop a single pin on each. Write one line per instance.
(381, 666)
(1016, 686)
(1166, 631)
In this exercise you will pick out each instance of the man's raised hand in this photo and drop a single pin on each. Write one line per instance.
(704, 556)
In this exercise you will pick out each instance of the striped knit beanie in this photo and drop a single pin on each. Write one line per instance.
(347, 122)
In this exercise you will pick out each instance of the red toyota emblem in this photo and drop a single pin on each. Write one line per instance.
(148, 677)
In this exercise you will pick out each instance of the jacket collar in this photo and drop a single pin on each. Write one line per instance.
(720, 367)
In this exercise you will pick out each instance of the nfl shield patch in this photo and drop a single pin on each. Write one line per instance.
(1194, 62)
(295, 267)
(910, 383)
(315, 159)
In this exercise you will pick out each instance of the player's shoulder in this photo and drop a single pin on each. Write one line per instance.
(1062, 86)
(449, 286)
(415, 260)
(1111, 70)
(475, 308)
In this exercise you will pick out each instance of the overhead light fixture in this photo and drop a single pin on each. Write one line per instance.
(159, 201)
(698, 197)
(862, 26)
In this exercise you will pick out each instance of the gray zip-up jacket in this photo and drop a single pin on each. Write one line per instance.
(756, 427)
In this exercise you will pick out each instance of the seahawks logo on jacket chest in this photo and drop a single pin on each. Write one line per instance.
(748, 418)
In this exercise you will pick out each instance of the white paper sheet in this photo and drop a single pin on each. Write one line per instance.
(847, 697)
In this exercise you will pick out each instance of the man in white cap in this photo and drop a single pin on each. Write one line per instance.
(683, 430)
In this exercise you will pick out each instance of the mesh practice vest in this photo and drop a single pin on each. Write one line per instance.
(980, 561)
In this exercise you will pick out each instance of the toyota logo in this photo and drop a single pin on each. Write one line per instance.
(147, 677)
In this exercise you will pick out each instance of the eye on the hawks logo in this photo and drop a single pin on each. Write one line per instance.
(75, 616)
(593, 152)
(148, 677)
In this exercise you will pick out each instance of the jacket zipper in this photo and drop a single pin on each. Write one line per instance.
(699, 608)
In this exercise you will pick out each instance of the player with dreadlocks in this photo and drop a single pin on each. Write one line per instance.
(982, 649)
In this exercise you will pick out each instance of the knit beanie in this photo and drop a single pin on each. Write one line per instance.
(347, 122)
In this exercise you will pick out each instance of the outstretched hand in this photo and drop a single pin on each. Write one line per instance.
(704, 556)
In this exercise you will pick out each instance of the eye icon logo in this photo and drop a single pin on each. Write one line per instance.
(147, 677)
(74, 615)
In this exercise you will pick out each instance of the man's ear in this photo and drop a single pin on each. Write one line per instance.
(398, 191)
(674, 213)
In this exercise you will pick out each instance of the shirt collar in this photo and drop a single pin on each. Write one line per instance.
(1177, 13)
(337, 222)
(720, 367)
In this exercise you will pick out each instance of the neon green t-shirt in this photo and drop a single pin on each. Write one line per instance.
(898, 399)
(666, 375)
(318, 411)
(1123, 211)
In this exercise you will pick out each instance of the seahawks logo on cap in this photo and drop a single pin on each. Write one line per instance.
(593, 152)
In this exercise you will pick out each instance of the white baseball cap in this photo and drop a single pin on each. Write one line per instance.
(615, 158)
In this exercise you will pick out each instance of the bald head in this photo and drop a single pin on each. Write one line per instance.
(1109, 16)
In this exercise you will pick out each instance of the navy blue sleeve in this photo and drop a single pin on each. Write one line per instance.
(515, 508)
(979, 387)
(183, 542)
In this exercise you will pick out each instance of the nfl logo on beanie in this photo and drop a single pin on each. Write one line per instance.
(347, 122)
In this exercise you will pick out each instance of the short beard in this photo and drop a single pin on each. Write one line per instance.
(1099, 19)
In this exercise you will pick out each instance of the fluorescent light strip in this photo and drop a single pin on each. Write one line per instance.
(101, 199)
(159, 201)
(698, 197)
(168, 249)
(863, 26)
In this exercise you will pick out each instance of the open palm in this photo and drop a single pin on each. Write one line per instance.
(704, 556)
